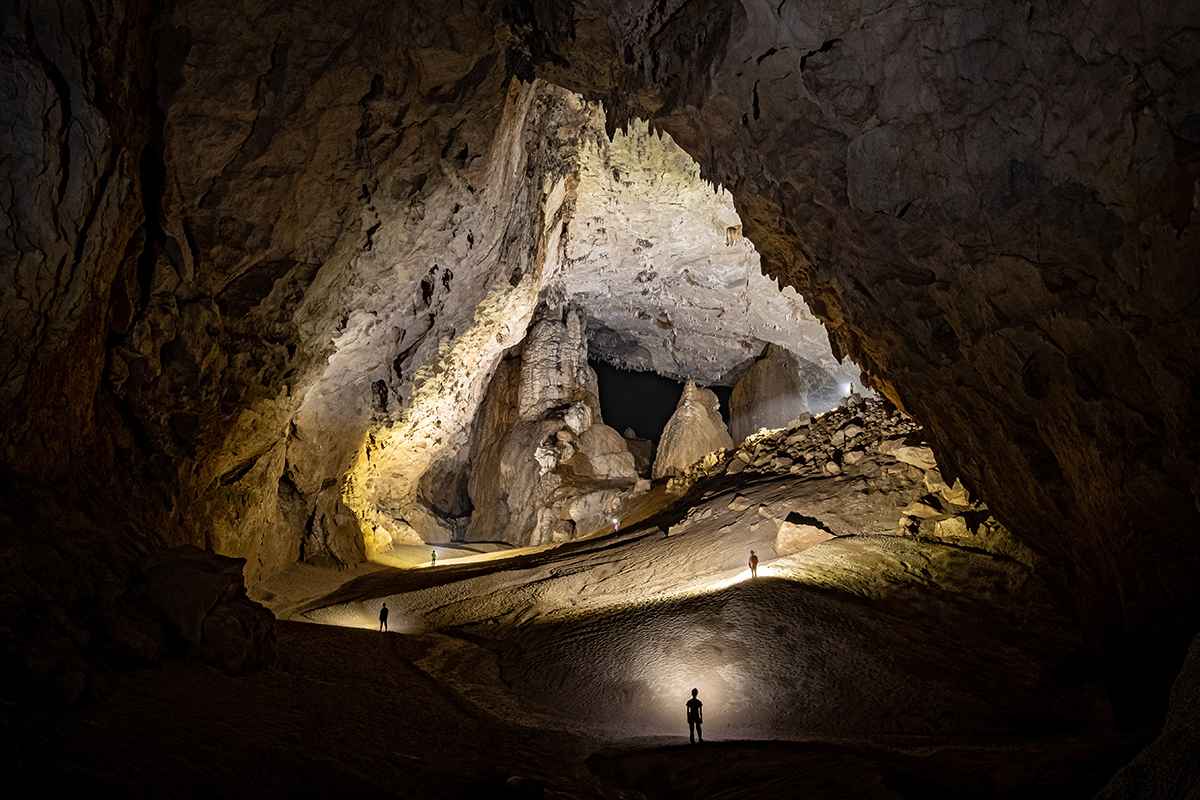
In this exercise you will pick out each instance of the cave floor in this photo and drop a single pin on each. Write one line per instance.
(865, 667)
(348, 713)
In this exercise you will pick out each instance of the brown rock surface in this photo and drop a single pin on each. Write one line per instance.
(202, 598)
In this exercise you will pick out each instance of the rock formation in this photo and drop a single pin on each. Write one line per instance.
(776, 390)
(666, 289)
(544, 467)
(202, 601)
(694, 430)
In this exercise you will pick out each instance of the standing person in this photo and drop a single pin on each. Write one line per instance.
(695, 716)
(753, 565)
(433, 558)
(383, 612)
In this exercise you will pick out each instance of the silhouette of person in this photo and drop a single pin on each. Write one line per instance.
(433, 558)
(753, 565)
(695, 716)
(383, 612)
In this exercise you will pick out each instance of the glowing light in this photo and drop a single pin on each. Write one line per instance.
(744, 575)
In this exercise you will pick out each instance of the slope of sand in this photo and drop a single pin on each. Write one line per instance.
(866, 667)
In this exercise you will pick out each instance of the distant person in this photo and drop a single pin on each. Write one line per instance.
(433, 558)
(383, 612)
(695, 717)
(753, 565)
(616, 525)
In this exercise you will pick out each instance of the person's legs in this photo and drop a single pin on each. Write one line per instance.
(699, 733)
(692, 732)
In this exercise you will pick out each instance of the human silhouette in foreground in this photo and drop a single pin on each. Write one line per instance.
(753, 565)
(433, 558)
(383, 612)
(695, 717)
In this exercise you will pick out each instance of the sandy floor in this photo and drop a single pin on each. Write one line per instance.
(867, 667)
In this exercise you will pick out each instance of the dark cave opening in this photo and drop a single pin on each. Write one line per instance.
(643, 401)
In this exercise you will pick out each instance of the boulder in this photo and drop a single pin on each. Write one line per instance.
(607, 452)
(202, 599)
(693, 431)
(919, 457)
(794, 537)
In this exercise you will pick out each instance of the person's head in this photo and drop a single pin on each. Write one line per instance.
(695, 692)
(751, 552)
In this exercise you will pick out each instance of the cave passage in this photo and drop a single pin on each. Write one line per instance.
(643, 401)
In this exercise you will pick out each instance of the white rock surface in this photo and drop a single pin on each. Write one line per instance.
(666, 291)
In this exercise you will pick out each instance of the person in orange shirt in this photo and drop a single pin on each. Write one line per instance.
(753, 565)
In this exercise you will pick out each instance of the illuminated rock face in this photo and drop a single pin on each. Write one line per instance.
(776, 390)
(667, 287)
(693, 431)
(544, 467)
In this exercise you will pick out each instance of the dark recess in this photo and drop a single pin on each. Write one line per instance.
(643, 401)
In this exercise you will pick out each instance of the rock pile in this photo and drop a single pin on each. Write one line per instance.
(866, 468)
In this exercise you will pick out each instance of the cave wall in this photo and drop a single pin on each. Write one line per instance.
(991, 207)
(258, 225)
